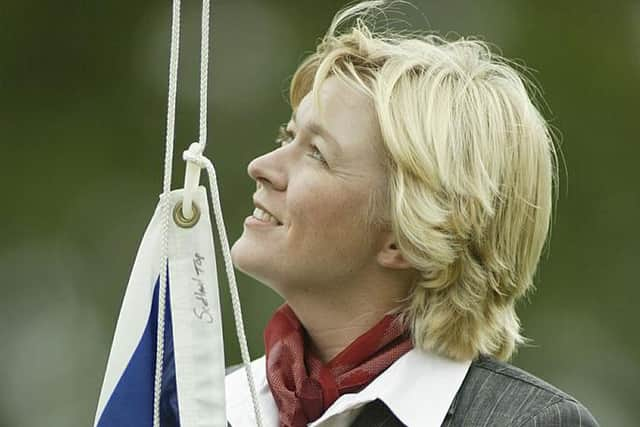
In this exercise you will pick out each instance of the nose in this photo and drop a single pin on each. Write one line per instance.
(267, 169)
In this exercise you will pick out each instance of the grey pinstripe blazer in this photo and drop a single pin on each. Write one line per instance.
(495, 393)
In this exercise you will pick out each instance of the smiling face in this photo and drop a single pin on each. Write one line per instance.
(317, 185)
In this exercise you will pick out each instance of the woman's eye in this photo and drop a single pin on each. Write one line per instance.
(316, 154)
(285, 137)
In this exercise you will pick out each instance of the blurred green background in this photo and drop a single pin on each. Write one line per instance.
(83, 89)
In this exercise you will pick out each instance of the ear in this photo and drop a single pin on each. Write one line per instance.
(390, 256)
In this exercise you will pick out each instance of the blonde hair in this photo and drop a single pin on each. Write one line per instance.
(471, 168)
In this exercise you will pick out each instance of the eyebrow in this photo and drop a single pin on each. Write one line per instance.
(316, 129)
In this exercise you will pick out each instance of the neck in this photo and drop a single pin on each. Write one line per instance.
(333, 321)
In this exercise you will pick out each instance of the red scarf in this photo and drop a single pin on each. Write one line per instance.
(303, 386)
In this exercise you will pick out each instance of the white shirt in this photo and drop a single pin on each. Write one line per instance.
(418, 388)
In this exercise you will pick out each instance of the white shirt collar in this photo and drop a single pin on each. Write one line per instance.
(418, 388)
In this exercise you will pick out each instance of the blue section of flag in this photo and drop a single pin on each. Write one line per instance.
(169, 413)
(131, 403)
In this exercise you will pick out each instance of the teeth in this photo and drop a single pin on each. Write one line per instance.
(264, 216)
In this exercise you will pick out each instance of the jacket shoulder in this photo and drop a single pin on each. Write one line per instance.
(497, 393)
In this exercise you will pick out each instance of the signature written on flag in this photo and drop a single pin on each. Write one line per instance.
(201, 308)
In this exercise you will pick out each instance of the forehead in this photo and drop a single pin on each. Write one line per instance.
(348, 115)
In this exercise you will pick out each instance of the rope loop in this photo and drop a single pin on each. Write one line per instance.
(194, 155)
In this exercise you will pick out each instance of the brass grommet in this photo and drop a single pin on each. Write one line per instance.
(183, 222)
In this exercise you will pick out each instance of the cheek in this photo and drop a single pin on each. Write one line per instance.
(328, 222)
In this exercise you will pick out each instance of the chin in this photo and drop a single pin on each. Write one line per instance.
(249, 263)
(238, 255)
(246, 259)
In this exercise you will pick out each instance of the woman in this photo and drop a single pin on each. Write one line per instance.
(401, 217)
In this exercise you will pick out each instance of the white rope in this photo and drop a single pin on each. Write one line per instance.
(166, 208)
(203, 162)
(197, 158)
(204, 71)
